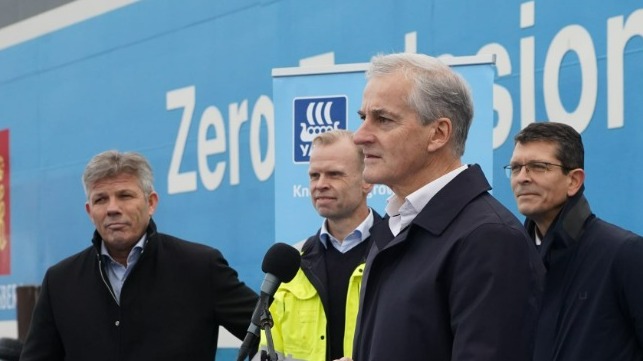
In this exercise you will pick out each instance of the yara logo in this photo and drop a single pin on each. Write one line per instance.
(318, 121)
(314, 116)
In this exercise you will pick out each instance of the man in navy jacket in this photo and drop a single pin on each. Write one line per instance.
(134, 294)
(451, 275)
(593, 302)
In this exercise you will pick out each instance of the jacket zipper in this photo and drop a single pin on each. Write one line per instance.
(102, 276)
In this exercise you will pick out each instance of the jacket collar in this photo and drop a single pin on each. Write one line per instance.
(568, 226)
(450, 200)
(436, 216)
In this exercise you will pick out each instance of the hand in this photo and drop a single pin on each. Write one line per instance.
(344, 359)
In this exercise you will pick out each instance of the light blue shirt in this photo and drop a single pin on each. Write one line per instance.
(354, 238)
(402, 211)
(116, 272)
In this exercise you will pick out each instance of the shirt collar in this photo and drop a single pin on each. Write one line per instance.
(138, 247)
(359, 234)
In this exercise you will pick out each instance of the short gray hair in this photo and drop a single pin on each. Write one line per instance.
(112, 163)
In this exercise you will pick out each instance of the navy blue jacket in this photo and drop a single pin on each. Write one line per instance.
(462, 282)
(592, 308)
(171, 306)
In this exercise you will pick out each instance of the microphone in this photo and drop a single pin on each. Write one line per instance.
(280, 264)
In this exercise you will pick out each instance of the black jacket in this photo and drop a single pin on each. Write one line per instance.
(314, 267)
(461, 282)
(171, 306)
(592, 307)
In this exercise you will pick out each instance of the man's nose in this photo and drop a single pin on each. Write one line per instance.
(322, 182)
(113, 205)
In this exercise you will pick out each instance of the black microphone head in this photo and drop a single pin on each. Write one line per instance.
(281, 260)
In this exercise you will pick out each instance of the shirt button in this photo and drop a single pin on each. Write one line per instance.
(117, 323)
(322, 337)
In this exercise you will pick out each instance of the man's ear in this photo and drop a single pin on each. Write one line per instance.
(439, 134)
(576, 179)
(152, 202)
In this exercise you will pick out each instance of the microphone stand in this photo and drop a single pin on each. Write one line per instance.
(266, 323)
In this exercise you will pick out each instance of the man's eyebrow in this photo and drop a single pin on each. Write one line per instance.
(531, 161)
(377, 112)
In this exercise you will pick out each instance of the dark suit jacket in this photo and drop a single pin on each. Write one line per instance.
(462, 282)
(592, 308)
(171, 306)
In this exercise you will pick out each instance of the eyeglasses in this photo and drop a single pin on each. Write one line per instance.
(513, 170)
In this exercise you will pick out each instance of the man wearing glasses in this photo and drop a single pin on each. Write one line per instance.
(592, 307)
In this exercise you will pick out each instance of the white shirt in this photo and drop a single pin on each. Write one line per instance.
(537, 238)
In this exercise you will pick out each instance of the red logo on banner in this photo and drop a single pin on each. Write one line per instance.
(5, 244)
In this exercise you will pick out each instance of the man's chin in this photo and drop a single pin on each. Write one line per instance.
(527, 210)
(324, 213)
(372, 176)
(118, 241)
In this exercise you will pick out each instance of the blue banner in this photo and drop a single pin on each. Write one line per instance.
(189, 84)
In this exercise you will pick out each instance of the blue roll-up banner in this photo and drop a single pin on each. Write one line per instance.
(312, 100)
